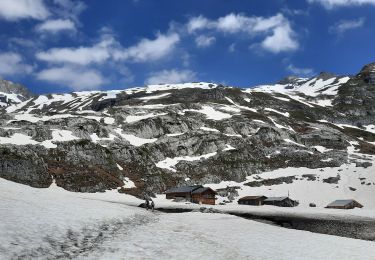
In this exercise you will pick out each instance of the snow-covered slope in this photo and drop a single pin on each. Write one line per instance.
(53, 223)
(324, 84)
(318, 186)
(77, 101)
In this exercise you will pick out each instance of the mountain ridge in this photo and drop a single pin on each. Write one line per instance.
(145, 140)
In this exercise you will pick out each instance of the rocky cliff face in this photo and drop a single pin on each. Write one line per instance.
(12, 93)
(144, 140)
(356, 97)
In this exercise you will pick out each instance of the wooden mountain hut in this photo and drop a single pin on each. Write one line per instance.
(281, 202)
(344, 204)
(203, 195)
(195, 194)
(252, 200)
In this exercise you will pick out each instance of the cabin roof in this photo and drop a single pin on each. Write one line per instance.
(339, 203)
(252, 197)
(184, 189)
(202, 189)
(276, 198)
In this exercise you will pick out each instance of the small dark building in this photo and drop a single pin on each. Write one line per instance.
(203, 195)
(344, 204)
(195, 194)
(252, 200)
(281, 202)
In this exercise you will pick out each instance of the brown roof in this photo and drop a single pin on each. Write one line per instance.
(203, 189)
(184, 189)
(343, 203)
(253, 197)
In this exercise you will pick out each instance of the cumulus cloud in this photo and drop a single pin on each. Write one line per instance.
(278, 33)
(55, 26)
(329, 4)
(198, 23)
(97, 53)
(79, 67)
(300, 71)
(345, 25)
(204, 41)
(12, 64)
(13, 10)
(149, 50)
(109, 49)
(76, 78)
(280, 40)
(171, 76)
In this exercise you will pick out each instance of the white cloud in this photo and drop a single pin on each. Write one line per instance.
(329, 4)
(98, 53)
(54, 26)
(149, 50)
(79, 67)
(171, 76)
(204, 41)
(279, 36)
(12, 64)
(198, 23)
(13, 10)
(280, 40)
(300, 71)
(233, 23)
(77, 78)
(109, 49)
(345, 25)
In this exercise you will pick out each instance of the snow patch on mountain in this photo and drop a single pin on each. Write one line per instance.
(129, 184)
(166, 87)
(63, 135)
(154, 97)
(95, 138)
(312, 87)
(241, 107)
(132, 119)
(229, 148)
(22, 139)
(210, 113)
(286, 114)
(18, 139)
(209, 129)
(134, 140)
(170, 163)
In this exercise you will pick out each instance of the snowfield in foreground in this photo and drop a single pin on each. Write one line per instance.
(52, 223)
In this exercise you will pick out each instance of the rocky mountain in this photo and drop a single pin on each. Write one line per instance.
(12, 93)
(147, 139)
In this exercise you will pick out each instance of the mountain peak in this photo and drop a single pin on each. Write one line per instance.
(10, 87)
(367, 73)
(326, 75)
(12, 92)
(289, 80)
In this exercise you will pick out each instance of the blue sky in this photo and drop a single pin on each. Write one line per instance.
(72, 45)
